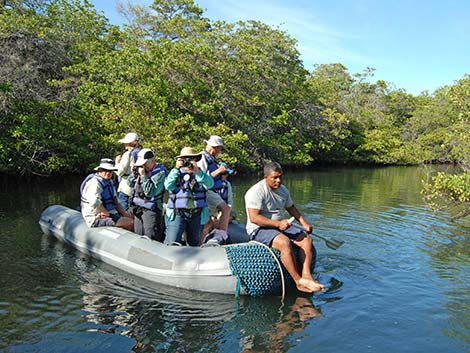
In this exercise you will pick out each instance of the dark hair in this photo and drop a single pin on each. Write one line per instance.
(272, 167)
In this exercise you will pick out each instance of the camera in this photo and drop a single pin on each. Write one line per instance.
(187, 163)
(135, 171)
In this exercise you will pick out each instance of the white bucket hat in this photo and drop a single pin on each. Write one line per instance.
(144, 156)
(130, 137)
(214, 141)
(106, 164)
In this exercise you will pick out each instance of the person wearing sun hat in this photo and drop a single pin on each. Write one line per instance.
(209, 165)
(147, 195)
(99, 204)
(124, 165)
(186, 209)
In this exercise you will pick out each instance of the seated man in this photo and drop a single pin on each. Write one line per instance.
(265, 203)
(99, 203)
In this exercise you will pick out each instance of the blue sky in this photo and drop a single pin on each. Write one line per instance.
(416, 45)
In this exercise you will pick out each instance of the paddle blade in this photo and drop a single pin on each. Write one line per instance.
(331, 243)
(334, 243)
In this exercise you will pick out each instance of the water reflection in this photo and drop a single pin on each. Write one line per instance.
(272, 332)
(166, 319)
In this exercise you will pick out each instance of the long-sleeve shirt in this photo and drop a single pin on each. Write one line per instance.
(151, 186)
(123, 171)
(202, 178)
(91, 195)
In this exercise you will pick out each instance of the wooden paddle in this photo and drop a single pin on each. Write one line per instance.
(331, 243)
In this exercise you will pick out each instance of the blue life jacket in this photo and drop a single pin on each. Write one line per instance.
(140, 199)
(107, 195)
(185, 189)
(211, 166)
(134, 153)
(223, 192)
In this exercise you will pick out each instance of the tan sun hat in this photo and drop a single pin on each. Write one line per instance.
(189, 152)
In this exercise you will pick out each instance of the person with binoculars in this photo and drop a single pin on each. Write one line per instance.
(125, 166)
(187, 209)
(209, 164)
(147, 182)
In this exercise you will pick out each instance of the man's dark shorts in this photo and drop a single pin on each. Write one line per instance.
(107, 221)
(266, 235)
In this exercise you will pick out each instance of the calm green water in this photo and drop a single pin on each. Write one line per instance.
(401, 282)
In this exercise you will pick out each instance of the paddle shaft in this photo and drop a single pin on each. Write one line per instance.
(331, 243)
(298, 226)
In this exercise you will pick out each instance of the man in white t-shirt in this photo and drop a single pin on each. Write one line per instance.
(265, 204)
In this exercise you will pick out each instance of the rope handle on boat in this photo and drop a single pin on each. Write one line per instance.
(278, 264)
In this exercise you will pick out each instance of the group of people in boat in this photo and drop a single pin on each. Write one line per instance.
(199, 202)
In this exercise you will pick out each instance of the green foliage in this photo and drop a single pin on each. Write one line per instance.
(71, 85)
(39, 119)
(452, 140)
(167, 19)
(450, 192)
(245, 77)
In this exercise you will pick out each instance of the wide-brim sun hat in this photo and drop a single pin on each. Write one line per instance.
(214, 141)
(143, 157)
(189, 152)
(106, 164)
(130, 137)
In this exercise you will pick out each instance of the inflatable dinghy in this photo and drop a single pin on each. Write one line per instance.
(242, 267)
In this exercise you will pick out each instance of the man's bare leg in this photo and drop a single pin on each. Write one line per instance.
(282, 243)
(305, 256)
(206, 228)
(224, 218)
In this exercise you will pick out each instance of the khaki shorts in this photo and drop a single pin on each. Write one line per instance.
(106, 221)
(213, 200)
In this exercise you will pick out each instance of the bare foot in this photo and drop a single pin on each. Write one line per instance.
(303, 288)
(312, 285)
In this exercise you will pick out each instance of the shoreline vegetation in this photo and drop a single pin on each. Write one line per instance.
(71, 84)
